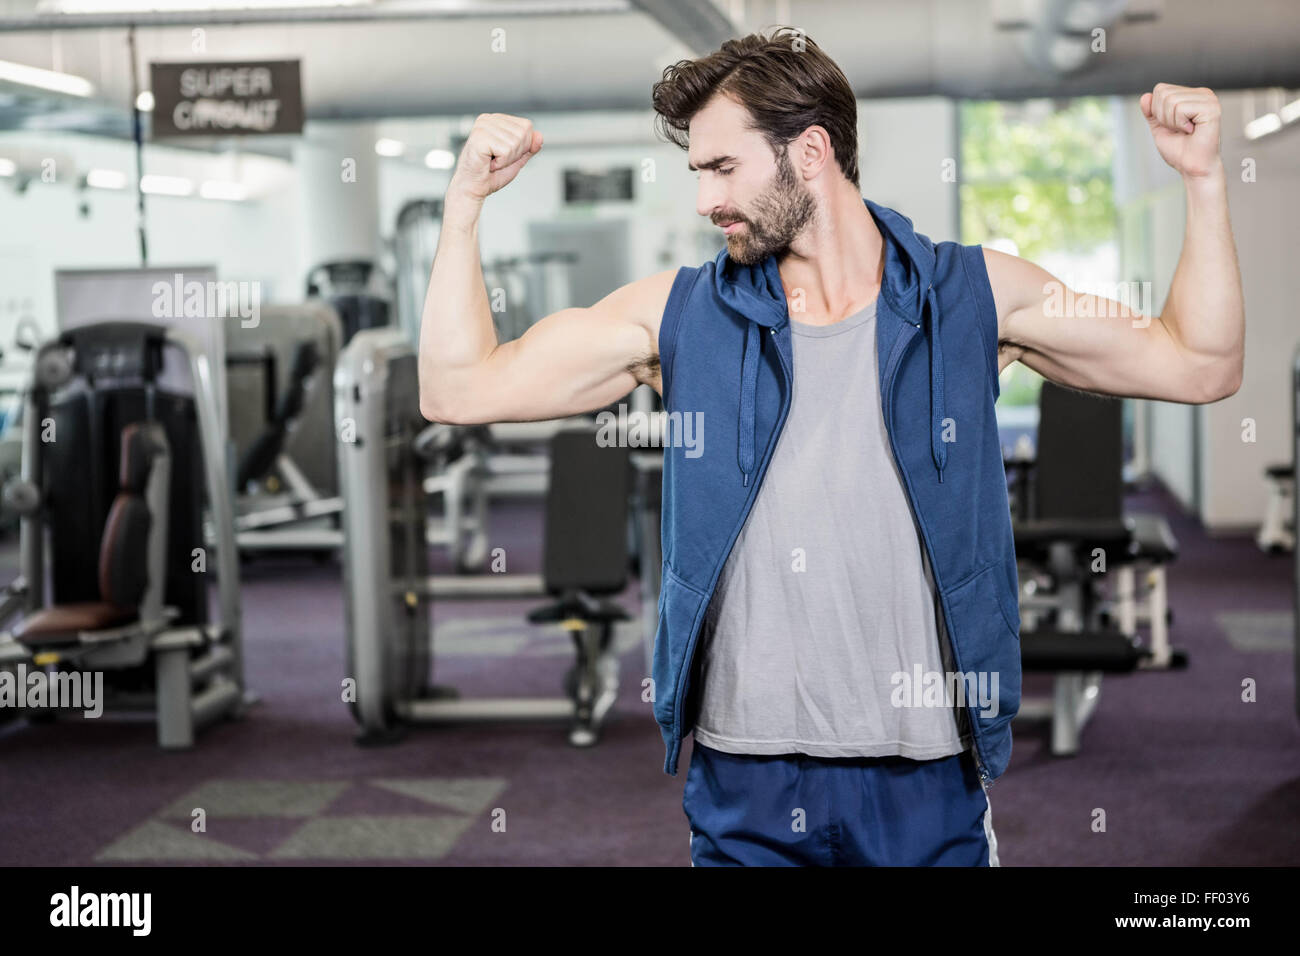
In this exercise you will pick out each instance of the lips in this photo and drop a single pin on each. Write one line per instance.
(729, 228)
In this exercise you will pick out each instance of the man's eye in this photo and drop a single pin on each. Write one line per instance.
(726, 172)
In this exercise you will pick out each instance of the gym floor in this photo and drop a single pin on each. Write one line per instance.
(1186, 772)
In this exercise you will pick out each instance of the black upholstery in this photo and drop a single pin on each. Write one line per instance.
(586, 528)
(358, 311)
(263, 451)
(123, 552)
(1051, 650)
(1152, 539)
(1078, 501)
(590, 553)
(1079, 487)
(1080, 455)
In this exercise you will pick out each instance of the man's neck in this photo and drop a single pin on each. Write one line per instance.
(834, 269)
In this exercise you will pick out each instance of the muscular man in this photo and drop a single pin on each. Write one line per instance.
(844, 537)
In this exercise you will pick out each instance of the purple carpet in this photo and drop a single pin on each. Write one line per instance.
(1181, 769)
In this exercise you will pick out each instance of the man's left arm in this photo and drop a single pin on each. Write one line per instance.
(1193, 351)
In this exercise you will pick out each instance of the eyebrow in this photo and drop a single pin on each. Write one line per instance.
(711, 164)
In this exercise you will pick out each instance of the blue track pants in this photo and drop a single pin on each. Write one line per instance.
(797, 810)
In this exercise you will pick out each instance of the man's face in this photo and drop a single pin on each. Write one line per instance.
(759, 199)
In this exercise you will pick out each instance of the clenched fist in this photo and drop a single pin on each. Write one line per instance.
(498, 147)
(1184, 123)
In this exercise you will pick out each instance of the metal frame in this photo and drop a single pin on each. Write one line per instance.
(184, 656)
(1295, 499)
(1075, 694)
(301, 518)
(387, 620)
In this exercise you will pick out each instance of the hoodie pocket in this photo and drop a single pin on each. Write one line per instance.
(680, 607)
(987, 637)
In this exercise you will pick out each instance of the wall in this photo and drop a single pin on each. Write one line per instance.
(1193, 447)
(270, 238)
(1265, 218)
(45, 229)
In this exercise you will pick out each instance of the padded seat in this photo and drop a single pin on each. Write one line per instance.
(60, 624)
(582, 606)
(1035, 538)
(1153, 539)
(1051, 650)
(123, 553)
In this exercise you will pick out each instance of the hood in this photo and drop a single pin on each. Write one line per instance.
(757, 293)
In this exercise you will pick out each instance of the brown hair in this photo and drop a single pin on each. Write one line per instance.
(785, 81)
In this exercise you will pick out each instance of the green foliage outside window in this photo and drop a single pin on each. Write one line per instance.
(1038, 173)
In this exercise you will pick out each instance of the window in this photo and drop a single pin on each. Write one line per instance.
(1036, 181)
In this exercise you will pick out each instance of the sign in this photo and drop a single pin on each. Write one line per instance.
(226, 99)
(598, 185)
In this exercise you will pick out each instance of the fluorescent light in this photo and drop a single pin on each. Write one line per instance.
(234, 192)
(166, 185)
(45, 79)
(106, 179)
(144, 102)
(389, 147)
(1263, 125)
(175, 6)
(7, 167)
(1290, 113)
(440, 159)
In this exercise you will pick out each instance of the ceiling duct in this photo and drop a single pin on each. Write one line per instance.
(1060, 37)
(698, 24)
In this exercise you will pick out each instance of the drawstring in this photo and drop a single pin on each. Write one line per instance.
(748, 386)
(938, 448)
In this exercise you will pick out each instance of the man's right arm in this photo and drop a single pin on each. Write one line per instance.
(573, 361)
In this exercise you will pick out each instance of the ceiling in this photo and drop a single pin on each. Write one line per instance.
(395, 58)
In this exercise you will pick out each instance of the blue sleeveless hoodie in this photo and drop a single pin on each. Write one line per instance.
(725, 355)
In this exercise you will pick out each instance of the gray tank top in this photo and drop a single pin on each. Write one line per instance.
(824, 625)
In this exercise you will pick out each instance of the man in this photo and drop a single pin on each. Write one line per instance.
(846, 529)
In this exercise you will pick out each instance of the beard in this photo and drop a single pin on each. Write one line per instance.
(779, 214)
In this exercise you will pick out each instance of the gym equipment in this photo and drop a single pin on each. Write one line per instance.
(523, 289)
(15, 368)
(357, 290)
(648, 512)
(1277, 533)
(388, 590)
(131, 464)
(415, 241)
(469, 467)
(534, 285)
(507, 292)
(281, 423)
(456, 460)
(1295, 516)
(1077, 510)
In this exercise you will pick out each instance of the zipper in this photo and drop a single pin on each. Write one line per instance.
(684, 675)
(895, 358)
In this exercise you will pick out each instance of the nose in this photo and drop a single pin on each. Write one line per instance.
(708, 199)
